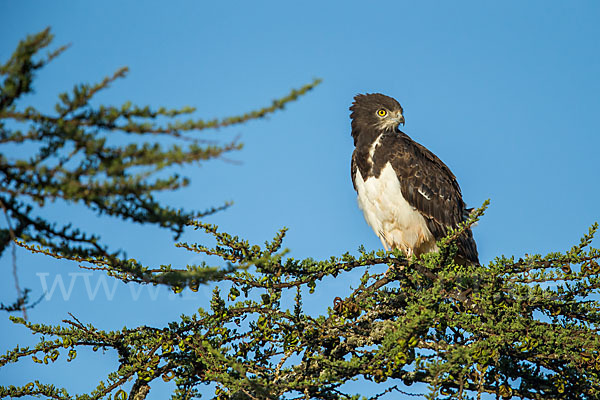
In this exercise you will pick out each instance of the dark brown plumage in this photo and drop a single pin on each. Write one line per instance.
(429, 199)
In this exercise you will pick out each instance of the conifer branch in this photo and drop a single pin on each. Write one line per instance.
(526, 328)
(78, 161)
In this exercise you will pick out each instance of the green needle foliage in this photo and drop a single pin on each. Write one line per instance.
(515, 329)
(75, 155)
(524, 328)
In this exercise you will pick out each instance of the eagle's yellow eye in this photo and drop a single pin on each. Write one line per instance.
(381, 112)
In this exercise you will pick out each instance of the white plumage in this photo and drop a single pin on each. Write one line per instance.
(396, 222)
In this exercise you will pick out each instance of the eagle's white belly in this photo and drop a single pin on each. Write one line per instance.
(397, 223)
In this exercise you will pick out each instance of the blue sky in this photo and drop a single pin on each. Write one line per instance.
(505, 93)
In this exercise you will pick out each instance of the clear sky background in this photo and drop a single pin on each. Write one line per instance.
(505, 93)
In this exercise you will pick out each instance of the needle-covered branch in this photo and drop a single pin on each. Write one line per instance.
(464, 330)
(524, 328)
(85, 154)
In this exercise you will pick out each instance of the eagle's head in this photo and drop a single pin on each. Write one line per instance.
(375, 113)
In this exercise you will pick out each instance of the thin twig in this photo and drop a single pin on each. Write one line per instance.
(14, 259)
(280, 364)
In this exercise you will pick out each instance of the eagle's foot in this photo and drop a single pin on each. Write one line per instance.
(408, 253)
(393, 269)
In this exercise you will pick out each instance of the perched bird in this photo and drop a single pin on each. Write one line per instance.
(408, 196)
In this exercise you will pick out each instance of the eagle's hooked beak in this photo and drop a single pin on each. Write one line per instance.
(399, 118)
